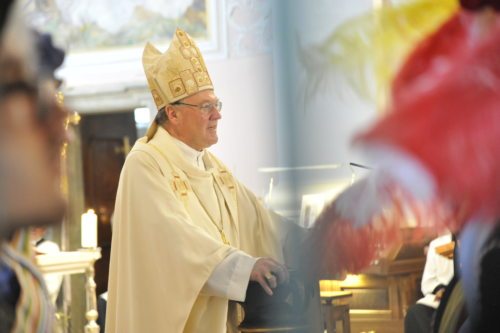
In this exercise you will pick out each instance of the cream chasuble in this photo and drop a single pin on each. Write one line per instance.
(167, 239)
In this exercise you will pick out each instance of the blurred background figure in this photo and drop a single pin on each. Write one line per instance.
(437, 274)
(31, 136)
(42, 245)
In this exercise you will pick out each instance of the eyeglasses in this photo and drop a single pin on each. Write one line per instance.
(206, 108)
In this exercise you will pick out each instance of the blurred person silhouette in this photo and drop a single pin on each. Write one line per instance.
(31, 135)
(42, 245)
(438, 272)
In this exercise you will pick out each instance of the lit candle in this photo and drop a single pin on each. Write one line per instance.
(89, 229)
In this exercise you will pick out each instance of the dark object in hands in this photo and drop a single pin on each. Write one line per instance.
(285, 308)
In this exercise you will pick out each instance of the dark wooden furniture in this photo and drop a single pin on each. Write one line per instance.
(106, 139)
(383, 292)
(335, 307)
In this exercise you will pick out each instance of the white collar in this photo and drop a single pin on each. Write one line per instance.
(194, 156)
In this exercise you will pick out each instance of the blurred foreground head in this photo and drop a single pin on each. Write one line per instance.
(31, 126)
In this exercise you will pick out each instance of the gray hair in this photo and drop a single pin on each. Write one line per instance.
(161, 117)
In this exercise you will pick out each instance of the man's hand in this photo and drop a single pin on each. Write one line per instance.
(439, 294)
(269, 273)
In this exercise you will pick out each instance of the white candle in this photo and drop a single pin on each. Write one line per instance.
(89, 229)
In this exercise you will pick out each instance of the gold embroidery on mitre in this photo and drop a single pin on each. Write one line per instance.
(177, 73)
(150, 58)
(189, 52)
(189, 82)
(177, 88)
(202, 79)
(156, 96)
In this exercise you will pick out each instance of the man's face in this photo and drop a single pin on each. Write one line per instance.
(31, 136)
(190, 124)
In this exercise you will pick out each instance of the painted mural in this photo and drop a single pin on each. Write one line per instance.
(109, 24)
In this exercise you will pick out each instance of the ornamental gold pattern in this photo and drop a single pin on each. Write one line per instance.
(177, 73)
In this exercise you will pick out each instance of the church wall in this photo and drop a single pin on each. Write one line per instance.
(318, 113)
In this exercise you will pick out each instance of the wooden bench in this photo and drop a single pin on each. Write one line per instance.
(335, 307)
